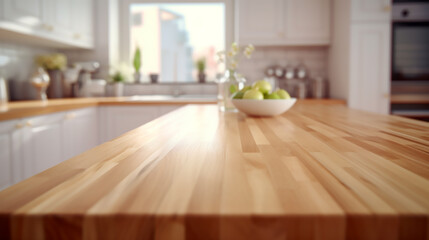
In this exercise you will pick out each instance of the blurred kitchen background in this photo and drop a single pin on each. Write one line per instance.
(372, 53)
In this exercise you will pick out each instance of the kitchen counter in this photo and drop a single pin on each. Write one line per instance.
(32, 108)
(319, 171)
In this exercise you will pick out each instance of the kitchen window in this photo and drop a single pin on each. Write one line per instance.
(172, 36)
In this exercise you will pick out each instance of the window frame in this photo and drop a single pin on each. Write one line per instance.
(124, 22)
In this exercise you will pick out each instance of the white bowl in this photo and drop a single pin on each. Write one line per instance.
(264, 108)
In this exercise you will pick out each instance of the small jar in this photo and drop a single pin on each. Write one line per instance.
(230, 83)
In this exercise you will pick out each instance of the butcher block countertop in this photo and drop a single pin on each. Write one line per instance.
(319, 171)
(23, 109)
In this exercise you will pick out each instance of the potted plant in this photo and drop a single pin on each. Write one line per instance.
(118, 84)
(137, 65)
(201, 66)
(118, 75)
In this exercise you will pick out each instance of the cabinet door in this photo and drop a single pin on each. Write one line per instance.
(167, 108)
(60, 18)
(83, 25)
(369, 67)
(80, 132)
(115, 121)
(8, 153)
(371, 10)
(307, 21)
(260, 21)
(42, 145)
(28, 13)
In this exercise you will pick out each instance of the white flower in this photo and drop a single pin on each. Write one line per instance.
(125, 69)
(249, 50)
(231, 57)
(231, 54)
(220, 56)
(234, 48)
(247, 53)
(233, 64)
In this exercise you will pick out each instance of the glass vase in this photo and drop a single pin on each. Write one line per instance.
(230, 83)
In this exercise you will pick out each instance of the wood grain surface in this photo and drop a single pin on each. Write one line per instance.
(23, 109)
(319, 171)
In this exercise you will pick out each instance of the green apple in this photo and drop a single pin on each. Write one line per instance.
(272, 96)
(282, 94)
(238, 95)
(253, 94)
(246, 88)
(263, 86)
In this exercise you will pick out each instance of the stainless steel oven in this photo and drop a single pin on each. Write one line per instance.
(410, 41)
(410, 59)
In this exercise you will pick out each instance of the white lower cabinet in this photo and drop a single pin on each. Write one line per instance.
(41, 143)
(9, 152)
(117, 120)
(80, 132)
(31, 145)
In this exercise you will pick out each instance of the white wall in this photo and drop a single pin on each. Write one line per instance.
(339, 50)
(17, 60)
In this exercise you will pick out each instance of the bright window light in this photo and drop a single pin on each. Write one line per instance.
(172, 37)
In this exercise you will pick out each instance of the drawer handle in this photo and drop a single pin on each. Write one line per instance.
(19, 125)
(70, 115)
(387, 8)
(29, 124)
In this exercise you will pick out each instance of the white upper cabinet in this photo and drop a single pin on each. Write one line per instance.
(307, 21)
(82, 26)
(28, 13)
(371, 10)
(260, 21)
(60, 16)
(49, 23)
(283, 22)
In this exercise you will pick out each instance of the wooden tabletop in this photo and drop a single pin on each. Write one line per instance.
(319, 171)
(23, 109)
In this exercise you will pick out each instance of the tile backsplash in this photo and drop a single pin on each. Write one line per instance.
(314, 58)
(17, 61)
(17, 65)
